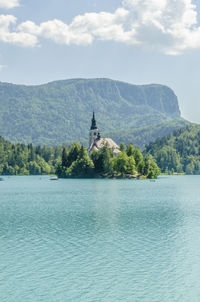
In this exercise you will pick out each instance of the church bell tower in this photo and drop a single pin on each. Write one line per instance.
(94, 132)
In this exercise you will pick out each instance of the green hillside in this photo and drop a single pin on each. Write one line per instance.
(144, 135)
(60, 112)
(178, 152)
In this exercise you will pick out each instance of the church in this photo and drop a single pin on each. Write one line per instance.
(96, 142)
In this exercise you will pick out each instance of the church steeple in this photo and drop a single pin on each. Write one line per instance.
(94, 134)
(94, 124)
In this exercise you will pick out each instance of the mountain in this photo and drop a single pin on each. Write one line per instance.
(60, 112)
(178, 152)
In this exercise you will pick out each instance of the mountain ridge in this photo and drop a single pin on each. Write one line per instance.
(60, 111)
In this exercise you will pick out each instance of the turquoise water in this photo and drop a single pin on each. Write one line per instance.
(100, 240)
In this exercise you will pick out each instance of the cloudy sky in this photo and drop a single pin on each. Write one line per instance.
(137, 41)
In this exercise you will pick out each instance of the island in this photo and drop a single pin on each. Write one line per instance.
(105, 159)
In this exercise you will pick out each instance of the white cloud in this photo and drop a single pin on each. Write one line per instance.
(7, 4)
(83, 29)
(169, 26)
(13, 37)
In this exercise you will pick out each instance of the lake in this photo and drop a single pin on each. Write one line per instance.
(100, 240)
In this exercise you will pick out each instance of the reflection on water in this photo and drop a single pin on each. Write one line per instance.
(100, 240)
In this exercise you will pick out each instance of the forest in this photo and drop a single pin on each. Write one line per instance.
(178, 152)
(21, 159)
(74, 162)
(175, 153)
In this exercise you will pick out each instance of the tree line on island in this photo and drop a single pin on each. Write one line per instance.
(128, 163)
(175, 153)
(74, 162)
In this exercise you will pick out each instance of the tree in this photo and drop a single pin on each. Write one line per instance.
(122, 147)
(138, 157)
(189, 168)
(73, 154)
(34, 168)
(31, 152)
(121, 163)
(151, 169)
(82, 166)
(102, 160)
(131, 169)
(64, 158)
(44, 166)
(130, 150)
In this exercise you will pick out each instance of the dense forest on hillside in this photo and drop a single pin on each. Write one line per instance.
(144, 135)
(60, 112)
(179, 152)
(129, 163)
(21, 159)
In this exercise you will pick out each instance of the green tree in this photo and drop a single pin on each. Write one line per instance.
(122, 147)
(121, 163)
(34, 168)
(131, 168)
(102, 161)
(130, 150)
(138, 157)
(73, 154)
(31, 153)
(82, 166)
(44, 166)
(64, 158)
(151, 170)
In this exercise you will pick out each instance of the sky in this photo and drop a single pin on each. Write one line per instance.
(136, 41)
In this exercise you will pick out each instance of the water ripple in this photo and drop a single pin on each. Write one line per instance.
(100, 240)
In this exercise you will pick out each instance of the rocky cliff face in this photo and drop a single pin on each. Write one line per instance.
(60, 112)
(158, 97)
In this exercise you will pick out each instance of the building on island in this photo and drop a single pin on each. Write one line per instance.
(96, 142)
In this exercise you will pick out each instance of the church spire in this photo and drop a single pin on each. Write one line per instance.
(94, 134)
(94, 124)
